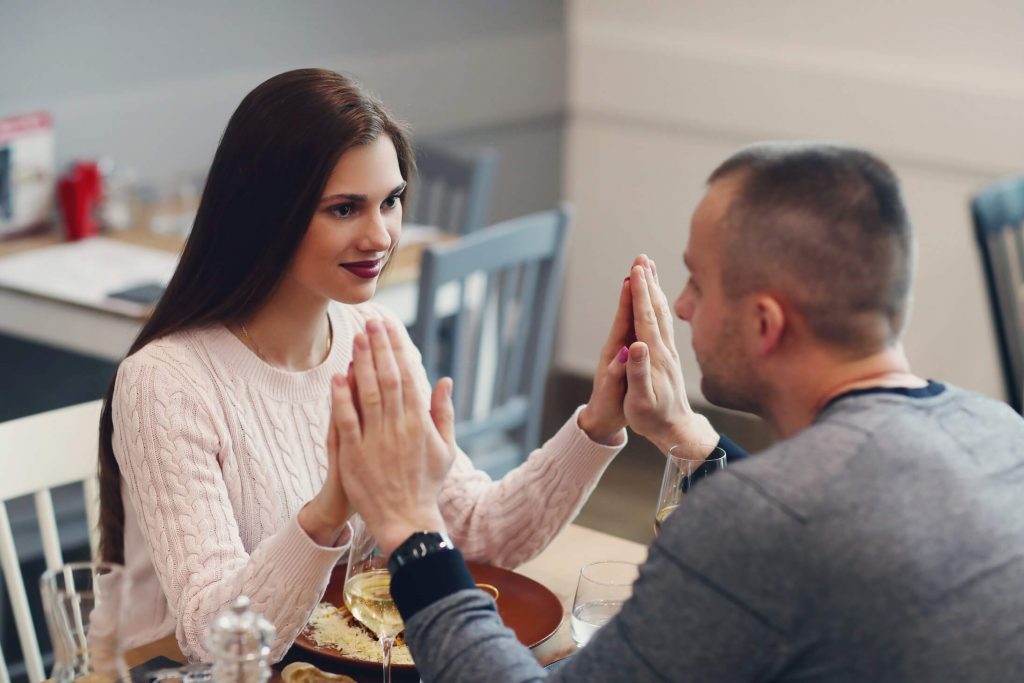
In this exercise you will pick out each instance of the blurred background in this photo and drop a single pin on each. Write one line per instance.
(620, 108)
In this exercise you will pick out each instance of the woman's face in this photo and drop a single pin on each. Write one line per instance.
(358, 220)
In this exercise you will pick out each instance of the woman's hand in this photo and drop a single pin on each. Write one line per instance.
(394, 453)
(655, 405)
(324, 517)
(603, 418)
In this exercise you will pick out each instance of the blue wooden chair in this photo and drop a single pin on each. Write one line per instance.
(453, 190)
(998, 213)
(508, 282)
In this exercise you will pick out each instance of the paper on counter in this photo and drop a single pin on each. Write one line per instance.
(86, 272)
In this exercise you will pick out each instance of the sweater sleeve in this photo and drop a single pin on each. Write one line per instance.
(714, 602)
(509, 521)
(167, 442)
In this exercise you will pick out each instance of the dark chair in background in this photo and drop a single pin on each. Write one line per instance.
(998, 213)
(508, 282)
(453, 189)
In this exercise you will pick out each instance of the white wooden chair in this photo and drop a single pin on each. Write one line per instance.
(39, 453)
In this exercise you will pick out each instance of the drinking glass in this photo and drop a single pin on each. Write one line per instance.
(84, 606)
(367, 591)
(681, 474)
(600, 592)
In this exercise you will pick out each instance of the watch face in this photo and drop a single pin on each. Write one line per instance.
(420, 544)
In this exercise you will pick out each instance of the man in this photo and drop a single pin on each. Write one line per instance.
(882, 539)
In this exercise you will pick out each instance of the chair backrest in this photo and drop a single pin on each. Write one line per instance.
(453, 190)
(998, 213)
(39, 453)
(508, 280)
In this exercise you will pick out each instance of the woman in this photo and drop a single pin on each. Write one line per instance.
(215, 429)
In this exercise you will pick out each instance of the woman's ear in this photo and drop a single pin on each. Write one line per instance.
(771, 324)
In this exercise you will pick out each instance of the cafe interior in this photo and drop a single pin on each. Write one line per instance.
(554, 141)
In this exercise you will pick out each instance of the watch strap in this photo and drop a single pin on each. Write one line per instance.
(428, 577)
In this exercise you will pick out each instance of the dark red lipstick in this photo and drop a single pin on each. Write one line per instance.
(364, 269)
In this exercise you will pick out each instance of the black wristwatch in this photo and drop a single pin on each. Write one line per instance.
(419, 544)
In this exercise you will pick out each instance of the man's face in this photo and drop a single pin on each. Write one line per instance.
(727, 377)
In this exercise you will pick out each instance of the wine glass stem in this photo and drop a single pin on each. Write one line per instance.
(385, 651)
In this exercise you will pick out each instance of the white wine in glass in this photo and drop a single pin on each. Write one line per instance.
(367, 592)
(681, 474)
(368, 598)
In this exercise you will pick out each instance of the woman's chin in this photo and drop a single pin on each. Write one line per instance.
(356, 295)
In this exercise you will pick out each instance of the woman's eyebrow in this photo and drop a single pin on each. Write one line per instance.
(362, 197)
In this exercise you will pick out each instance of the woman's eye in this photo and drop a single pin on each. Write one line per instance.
(393, 201)
(342, 210)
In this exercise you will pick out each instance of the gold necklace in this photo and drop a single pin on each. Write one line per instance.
(259, 352)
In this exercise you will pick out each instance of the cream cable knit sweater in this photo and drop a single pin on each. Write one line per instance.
(219, 451)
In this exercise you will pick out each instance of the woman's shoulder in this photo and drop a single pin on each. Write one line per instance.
(177, 357)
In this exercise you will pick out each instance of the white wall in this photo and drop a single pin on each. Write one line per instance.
(661, 92)
(153, 84)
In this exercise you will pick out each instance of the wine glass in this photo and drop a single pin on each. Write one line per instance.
(681, 474)
(367, 591)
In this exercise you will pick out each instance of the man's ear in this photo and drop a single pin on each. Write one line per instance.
(771, 324)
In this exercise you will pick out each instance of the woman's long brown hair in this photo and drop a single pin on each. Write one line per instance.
(266, 179)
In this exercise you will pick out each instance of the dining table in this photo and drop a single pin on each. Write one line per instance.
(556, 568)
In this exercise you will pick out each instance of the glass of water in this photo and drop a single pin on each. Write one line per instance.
(600, 592)
(84, 606)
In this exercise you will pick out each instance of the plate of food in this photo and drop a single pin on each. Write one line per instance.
(532, 611)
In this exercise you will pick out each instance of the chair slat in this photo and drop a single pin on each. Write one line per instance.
(526, 298)
(4, 676)
(48, 529)
(92, 514)
(19, 600)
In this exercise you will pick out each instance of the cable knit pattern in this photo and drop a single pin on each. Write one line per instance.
(218, 453)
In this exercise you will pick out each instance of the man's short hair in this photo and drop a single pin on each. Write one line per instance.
(825, 226)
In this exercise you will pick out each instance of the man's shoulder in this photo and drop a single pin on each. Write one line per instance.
(861, 438)
(794, 472)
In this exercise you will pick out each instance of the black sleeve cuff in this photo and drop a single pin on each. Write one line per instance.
(421, 583)
(733, 453)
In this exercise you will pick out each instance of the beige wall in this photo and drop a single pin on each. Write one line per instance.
(660, 92)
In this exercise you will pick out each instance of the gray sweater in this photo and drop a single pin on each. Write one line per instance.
(883, 543)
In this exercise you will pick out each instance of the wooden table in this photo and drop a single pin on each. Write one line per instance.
(107, 334)
(557, 568)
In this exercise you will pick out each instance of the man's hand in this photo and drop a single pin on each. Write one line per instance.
(655, 405)
(394, 453)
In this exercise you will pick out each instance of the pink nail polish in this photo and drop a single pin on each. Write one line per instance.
(623, 354)
(349, 371)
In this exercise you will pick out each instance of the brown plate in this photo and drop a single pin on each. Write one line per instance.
(532, 611)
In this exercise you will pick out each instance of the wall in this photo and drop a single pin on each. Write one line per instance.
(153, 84)
(661, 92)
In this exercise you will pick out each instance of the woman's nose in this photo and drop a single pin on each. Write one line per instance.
(375, 235)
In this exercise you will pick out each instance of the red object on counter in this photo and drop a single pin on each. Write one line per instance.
(79, 192)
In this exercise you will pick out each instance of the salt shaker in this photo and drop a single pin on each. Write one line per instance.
(239, 642)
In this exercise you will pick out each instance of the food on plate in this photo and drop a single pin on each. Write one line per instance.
(334, 627)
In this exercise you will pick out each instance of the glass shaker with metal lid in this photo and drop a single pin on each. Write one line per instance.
(239, 642)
